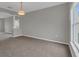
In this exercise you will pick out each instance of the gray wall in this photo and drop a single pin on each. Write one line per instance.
(50, 23)
(1, 25)
(8, 24)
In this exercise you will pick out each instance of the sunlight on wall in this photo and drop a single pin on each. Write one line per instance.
(16, 23)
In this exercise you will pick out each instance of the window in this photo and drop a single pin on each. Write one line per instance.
(75, 26)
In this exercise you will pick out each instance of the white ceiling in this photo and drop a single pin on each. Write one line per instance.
(28, 6)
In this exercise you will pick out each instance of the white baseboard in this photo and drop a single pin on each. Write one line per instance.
(47, 39)
(40, 38)
(17, 35)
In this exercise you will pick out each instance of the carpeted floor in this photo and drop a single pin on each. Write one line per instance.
(30, 47)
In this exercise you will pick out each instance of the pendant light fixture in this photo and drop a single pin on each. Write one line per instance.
(21, 12)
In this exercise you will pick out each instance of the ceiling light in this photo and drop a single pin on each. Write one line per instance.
(21, 12)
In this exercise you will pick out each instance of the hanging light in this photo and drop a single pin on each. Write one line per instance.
(21, 12)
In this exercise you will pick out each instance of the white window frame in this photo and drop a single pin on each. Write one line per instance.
(74, 44)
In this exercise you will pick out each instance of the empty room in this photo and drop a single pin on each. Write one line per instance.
(39, 29)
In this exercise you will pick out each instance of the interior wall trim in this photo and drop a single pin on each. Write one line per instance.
(74, 51)
(47, 39)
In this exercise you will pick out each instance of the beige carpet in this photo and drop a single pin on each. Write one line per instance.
(29, 47)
